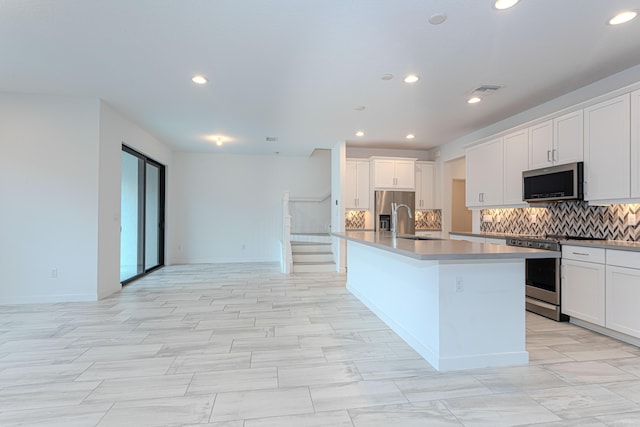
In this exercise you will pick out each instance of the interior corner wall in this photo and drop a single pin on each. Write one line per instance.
(48, 189)
(338, 191)
(228, 208)
(115, 130)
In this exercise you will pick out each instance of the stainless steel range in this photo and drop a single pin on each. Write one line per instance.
(542, 276)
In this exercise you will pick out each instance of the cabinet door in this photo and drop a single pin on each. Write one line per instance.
(623, 294)
(541, 145)
(516, 160)
(405, 174)
(635, 144)
(583, 291)
(485, 175)
(384, 173)
(424, 186)
(607, 149)
(568, 138)
(475, 168)
(493, 174)
(351, 190)
(363, 189)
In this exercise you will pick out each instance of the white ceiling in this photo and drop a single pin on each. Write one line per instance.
(296, 69)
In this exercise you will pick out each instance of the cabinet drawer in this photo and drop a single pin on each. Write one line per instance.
(627, 259)
(582, 253)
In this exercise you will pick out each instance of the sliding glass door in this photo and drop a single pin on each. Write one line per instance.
(142, 215)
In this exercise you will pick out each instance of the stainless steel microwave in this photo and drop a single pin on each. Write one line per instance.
(555, 183)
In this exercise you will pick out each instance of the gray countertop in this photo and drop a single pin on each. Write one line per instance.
(442, 249)
(621, 245)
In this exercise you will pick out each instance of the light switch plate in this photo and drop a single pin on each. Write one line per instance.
(487, 218)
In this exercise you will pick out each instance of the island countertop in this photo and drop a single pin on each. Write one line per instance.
(442, 249)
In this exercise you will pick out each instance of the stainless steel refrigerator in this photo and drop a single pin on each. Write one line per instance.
(383, 214)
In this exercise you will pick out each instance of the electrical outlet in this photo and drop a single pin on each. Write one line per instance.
(497, 218)
(533, 218)
(459, 284)
(54, 273)
(487, 218)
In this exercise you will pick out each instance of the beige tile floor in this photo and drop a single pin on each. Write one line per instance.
(242, 345)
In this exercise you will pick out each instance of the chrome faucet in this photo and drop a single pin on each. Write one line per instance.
(394, 221)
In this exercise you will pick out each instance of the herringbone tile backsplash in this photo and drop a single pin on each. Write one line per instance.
(568, 218)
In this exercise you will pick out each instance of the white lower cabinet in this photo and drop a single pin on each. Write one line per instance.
(602, 293)
(583, 284)
(623, 292)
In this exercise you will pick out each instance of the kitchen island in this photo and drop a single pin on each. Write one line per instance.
(459, 304)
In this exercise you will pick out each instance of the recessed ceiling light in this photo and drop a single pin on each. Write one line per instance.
(411, 136)
(359, 133)
(360, 108)
(438, 18)
(474, 100)
(199, 79)
(504, 4)
(411, 78)
(387, 76)
(622, 17)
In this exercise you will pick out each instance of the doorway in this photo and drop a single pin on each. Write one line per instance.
(142, 215)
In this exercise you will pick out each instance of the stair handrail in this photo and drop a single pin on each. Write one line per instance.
(286, 263)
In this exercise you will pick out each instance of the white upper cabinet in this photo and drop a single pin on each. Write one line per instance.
(516, 160)
(358, 188)
(607, 150)
(424, 185)
(541, 145)
(557, 141)
(485, 174)
(394, 173)
(635, 144)
(568, 138)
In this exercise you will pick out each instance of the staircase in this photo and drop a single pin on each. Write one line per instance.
(312, 253)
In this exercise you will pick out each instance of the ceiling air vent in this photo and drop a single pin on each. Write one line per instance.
(485, 90)
(271, 139)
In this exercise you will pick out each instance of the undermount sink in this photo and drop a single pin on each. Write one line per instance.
(419, 238)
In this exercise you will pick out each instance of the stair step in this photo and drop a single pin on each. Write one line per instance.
(298, 247)
(312, 257)
(311, 237)
(314, 267)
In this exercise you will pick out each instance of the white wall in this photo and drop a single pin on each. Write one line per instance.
(227, 208)
(48, 191)
(60, 192)
(115, 130)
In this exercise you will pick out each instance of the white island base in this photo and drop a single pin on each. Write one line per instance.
(457, 314)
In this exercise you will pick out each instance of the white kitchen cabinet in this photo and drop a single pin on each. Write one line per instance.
(394, 174)
(485, 174)
(623, 292)
(607, 150)
(635, 144)
(358, 189)
(541, 145)
(424, 185)
(516, 160)
(583, 283)
(557, 141)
